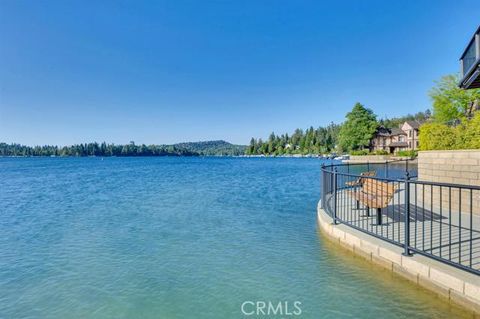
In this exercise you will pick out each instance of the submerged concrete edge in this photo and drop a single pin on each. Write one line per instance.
(457, 286)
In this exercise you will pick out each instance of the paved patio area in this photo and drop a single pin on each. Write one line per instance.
(445, 233)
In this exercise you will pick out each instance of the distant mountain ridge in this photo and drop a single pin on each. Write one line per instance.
(205, 148)
(213, 148)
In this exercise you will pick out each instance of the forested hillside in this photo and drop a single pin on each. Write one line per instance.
(131, 149)
(311, 141)
(353, 134)
(420, 117)
(216, 148)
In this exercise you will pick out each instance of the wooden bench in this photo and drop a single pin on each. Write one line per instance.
(359, 181)
(374, 194)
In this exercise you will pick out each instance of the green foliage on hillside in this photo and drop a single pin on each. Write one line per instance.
(131, 149)
(352, 136)
(394, 122)
(312, 141)
(358, 129)
(213, 148)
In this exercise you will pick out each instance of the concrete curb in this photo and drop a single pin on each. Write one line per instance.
(458, 286)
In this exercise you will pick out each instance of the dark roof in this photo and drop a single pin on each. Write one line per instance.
(413, 124)
(397, 131)
(383, 131)
(398, 144)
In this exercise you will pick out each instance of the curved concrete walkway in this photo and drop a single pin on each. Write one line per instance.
(454, 236)
(457, 286)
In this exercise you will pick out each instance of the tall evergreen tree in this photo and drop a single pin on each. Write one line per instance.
(358, 129)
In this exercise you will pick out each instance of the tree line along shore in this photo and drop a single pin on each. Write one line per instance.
(208, 148)
(453, 123)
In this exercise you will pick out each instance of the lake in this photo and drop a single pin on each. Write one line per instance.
(181, 237)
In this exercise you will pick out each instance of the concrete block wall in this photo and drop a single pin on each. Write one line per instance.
(455, 167)
(370, 158)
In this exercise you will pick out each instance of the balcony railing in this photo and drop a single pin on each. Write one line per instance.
(469, 58)
(470, 63)
(437, 220)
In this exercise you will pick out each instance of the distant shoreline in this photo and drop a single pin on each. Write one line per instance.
(170, 155)
(131, 149)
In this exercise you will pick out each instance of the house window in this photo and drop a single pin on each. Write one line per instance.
(410, 144)
(416, 143)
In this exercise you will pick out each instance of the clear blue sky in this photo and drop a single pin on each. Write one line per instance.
(173, 71)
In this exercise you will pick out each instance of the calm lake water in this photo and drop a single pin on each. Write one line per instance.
(181, 238)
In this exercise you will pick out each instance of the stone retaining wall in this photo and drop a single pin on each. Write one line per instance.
(457, 286)
(455, 167)
(373, 159)
(369, 158)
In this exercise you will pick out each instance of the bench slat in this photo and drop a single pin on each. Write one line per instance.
(374, 193)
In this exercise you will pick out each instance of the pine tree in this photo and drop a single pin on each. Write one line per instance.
(358, 129)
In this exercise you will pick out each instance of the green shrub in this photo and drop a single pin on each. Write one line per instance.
(379, 152)
(434, 136)
(410, 153)
(359, 152)
(367, 152)
(468, 134)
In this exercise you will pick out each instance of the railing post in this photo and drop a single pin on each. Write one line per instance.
(324, 186)
(331, 179)
(386, 169)
(335, 195)
(407, 215)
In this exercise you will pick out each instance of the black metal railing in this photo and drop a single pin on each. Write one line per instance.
(469, 58)
(438, 220)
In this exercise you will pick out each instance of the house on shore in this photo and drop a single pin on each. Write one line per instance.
(392, 140)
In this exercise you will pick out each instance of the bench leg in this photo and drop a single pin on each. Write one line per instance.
(357, 205)
(379, 216)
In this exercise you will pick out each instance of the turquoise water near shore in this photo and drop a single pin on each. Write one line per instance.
(181, 238)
